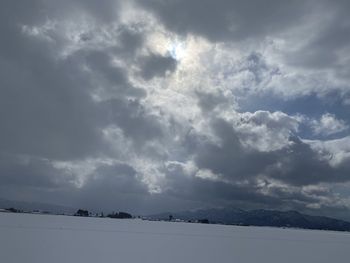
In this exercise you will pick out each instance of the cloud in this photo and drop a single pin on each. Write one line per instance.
(226, 20)
(113, 187)
(325, 47)
(267, 131)
(156, 65)
(40, 112)
(337, 151)
(328, 125)
(253, 193)
(161, 105)
(306, 63)
(294, 163)
(32, 172)
(133, 119)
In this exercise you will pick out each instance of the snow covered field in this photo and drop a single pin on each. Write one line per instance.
(64, 239)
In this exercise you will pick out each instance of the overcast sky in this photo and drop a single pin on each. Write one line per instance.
(159, 105)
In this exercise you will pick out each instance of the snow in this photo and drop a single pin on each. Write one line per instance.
(62, 239)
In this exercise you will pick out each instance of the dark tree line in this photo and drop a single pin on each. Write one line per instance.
(120, 215)
(13, 210)
(85, 213)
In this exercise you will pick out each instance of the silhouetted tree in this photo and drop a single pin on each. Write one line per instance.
(82, 212)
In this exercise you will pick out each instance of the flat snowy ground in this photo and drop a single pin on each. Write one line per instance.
(63, 239)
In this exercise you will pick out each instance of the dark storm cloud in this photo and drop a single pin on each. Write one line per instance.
(295, 164)
(322, 50)
(119, 177)
(47, 112)
(104, 11)
(45, 108)
(133, 119)
(113, 187)
(211, 193)
(253, 191)
(300, 165)
(230, 159)
(113, 78)
(250, 195)
(130, 41)
(209, 101)
(226, 19)
(33, 172)
(156, 66)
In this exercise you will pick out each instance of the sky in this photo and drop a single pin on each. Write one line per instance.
(159, 105)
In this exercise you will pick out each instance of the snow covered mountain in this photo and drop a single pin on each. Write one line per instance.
(260, 218)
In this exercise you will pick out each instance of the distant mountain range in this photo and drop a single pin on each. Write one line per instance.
(273, 218)
(228, 216)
